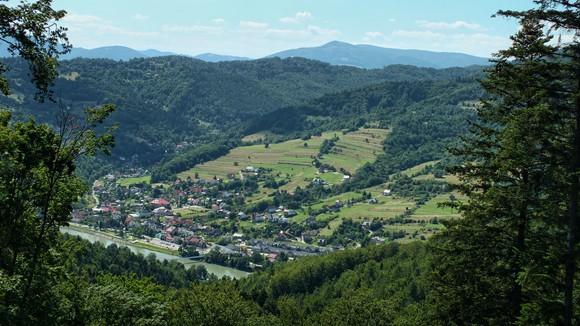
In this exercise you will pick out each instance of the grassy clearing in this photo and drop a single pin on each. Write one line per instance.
(411, 172)
(432, 210)
(191, 211)
(386, 208)
(126, 182)
(355, 149)
(255, 137)
(332, 177)
(332, 226)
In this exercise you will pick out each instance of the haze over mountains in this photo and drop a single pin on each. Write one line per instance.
(369, 56)
(335, 53)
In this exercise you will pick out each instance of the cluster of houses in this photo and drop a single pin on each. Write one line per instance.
(153, 214)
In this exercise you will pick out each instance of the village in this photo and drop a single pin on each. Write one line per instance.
(199, 219)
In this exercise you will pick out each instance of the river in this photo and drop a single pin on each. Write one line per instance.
(92, 237)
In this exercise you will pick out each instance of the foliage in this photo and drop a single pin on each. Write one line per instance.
(32, 32)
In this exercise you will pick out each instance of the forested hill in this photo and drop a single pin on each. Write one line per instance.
(162, 102)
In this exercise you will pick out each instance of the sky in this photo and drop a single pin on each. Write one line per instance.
(256, 28)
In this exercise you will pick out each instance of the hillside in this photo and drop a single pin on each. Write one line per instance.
(166, 104)
(115, 52)
(371, 57)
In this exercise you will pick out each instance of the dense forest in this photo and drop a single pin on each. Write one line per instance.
(511, 259)
(166, 101)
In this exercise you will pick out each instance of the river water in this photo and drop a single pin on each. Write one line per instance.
(218, 270)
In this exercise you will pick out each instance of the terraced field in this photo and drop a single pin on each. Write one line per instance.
(292, 160)
(355, 149)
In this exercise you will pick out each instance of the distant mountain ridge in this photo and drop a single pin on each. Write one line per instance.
(334, 53)
(212, 57)
(370, 57)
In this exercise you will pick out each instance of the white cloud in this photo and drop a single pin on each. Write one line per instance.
(374, 34)
(304, 15)
(139, 17)
(459, 24)
(218, 20)
(299, 17)
(253, 25)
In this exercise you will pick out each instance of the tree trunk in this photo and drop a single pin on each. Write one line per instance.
(521, 244)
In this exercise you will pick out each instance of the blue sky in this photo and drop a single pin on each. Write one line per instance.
(257, 28)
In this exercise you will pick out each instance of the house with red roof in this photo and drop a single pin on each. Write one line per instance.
(159, 202)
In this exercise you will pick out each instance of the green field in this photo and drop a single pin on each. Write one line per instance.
(126, 182)
(288, 159)
(432, 210)
(191, 211)
(293, 159)
(355, 149)
(414, 171)
(255, 137)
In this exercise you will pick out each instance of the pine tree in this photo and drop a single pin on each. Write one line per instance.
(488, 266)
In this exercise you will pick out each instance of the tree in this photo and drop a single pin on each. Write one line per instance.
(564, 16)
(508, 238)
(38, 186)
(32, 32)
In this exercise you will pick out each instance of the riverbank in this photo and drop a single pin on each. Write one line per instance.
(114, 237)
(145, 249)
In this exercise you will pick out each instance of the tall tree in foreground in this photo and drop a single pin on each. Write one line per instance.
(38, 184)
(490, 267)
(38, 187)
(563, 16)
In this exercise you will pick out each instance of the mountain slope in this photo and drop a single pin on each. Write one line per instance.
(106, 52)
(368, 56)
(167, 103)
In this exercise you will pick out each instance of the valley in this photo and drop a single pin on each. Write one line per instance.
(272, 199)
(246, 163)
(333, 181)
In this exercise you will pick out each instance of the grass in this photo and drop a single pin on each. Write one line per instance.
(332, 177)
(413, 171)
(191, 211)
(289, 159)
(386, 208)
(138, 243)
(332, 226)
(293, 159)
(255, 137)
(432, 210)
(126, 182)
(355, 149)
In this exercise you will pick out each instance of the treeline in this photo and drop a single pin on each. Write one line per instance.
(93, 260)
(188, 159)
(377, 285)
